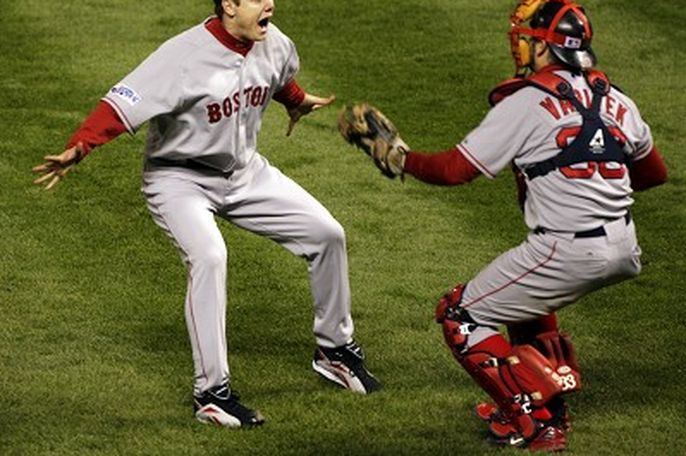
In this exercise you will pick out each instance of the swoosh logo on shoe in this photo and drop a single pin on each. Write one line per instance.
(515, 440)
(222, 393)
(356, 350)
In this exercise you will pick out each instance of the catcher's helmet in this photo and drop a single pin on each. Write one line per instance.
(560, 23)
(568, 32)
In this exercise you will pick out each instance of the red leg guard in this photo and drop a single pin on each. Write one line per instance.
(455, 330)
(556, 346)
(449, 304)
(519, 379)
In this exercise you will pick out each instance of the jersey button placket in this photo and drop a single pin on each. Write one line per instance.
(240, 124)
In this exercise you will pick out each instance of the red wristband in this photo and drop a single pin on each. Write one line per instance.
(291, 95)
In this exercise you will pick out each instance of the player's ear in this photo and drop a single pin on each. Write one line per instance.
(540, 47)
(230, 6)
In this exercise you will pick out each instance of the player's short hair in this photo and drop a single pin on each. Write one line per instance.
(218, 10)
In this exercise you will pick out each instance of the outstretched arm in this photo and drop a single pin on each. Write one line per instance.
(299, 103)
(100, 127)
(443, 168)
(56, 167)
(367, 128)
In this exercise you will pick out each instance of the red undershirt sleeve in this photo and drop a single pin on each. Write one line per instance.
(648, 172)
(100, 127)
(291, 95)
(443, 168)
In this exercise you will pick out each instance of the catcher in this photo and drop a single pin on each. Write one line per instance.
(579, 148)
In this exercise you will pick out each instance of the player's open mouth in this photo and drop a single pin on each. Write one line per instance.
(263, 24)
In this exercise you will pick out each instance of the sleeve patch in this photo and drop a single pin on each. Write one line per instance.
(126, 94)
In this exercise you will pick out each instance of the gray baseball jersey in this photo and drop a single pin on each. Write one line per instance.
(204, 101)
(205, 96)
(530, 126)
(556, 267)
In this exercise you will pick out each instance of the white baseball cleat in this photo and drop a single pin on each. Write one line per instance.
(221, 406)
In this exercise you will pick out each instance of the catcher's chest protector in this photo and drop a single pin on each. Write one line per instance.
(594, 141)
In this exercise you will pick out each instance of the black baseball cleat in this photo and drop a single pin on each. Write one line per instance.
(344, 366)
(221, 406)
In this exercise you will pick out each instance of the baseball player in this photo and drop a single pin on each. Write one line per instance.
(580, 148)
(204, 93)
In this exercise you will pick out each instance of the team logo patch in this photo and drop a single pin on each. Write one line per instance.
(126, 93)
(572, 43)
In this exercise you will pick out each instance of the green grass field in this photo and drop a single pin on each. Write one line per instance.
(94, 356)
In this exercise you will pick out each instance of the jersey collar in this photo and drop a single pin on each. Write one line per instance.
(216, 28)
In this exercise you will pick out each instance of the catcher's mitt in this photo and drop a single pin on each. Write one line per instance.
(367, 128)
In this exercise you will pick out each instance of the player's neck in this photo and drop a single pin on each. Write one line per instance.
(232, 30)
(216, 28)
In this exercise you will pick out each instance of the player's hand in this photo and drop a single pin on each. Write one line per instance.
(310, 103)
(56, 167)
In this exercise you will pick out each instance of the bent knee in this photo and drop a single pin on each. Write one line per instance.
(328, 232)
(212, 258)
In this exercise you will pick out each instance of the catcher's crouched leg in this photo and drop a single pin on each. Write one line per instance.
(544, 334)
(519, 379)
